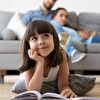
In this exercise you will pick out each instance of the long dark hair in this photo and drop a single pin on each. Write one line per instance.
(40, 27)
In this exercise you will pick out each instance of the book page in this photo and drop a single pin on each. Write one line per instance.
(28, 95)
(54, 95)
(87, 98)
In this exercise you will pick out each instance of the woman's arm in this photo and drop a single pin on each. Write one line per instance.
(63, 78)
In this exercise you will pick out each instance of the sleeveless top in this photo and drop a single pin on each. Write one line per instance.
(52, 75)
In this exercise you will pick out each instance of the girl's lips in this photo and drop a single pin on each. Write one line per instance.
(43, 47)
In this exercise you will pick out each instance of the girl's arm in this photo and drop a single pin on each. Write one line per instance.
(34, 77)
(63, 78)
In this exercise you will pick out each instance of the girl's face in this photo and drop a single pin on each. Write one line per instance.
(61, 17)
(42, 43)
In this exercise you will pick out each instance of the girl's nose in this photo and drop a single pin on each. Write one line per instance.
(41, 41)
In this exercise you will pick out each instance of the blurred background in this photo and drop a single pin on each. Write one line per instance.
(70, 5)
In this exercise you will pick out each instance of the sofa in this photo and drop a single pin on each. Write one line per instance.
(91, 62)
(9, 46)
(10, 42)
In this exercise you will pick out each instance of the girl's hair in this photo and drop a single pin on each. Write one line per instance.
(40, 27)
(57, 10)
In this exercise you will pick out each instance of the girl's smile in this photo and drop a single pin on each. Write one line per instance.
(43, 48)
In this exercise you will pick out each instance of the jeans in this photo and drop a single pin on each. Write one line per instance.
(96, 39)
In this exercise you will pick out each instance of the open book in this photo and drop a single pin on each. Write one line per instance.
(35, 95)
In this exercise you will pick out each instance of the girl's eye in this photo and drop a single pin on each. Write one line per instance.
(61, 15)
(46, 36)
(33, 38)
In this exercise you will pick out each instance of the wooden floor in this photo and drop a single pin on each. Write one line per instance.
(5, 91)
(6, 94)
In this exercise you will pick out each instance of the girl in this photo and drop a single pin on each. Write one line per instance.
(43, 58)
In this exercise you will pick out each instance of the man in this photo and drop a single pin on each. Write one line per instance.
(44, 12)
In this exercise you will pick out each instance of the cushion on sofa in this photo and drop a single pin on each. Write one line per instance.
(16, 25)
(72, 20)
(9, 47)
(8, 34)
(89, 21)
(93, 48)
(4, 19)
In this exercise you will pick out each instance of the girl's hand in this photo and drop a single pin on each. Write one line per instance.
(34, 54)
(68, 93)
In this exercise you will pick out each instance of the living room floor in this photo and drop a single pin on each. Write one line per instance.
(6, 94)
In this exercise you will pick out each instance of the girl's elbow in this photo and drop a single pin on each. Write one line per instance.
(28, 87)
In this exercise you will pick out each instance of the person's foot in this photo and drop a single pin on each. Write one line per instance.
(77, 56)
(63, 37)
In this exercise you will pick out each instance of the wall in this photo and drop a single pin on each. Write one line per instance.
(71, 5)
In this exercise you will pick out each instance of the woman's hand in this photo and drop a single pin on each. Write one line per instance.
(68, 93)
(34, 54)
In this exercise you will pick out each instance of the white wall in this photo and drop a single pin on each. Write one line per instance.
(71, 5)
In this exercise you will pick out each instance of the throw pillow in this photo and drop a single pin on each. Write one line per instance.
(72, 20)
(8, 34)
(17, 26)
(81, 84)
(19, 85)
(78, 83)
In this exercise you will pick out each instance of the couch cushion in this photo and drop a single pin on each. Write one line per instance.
(12, 46)
(89, 21)
(93, 48)
(72, 20)
(4, 19)
(16, 25)
(8, 34)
